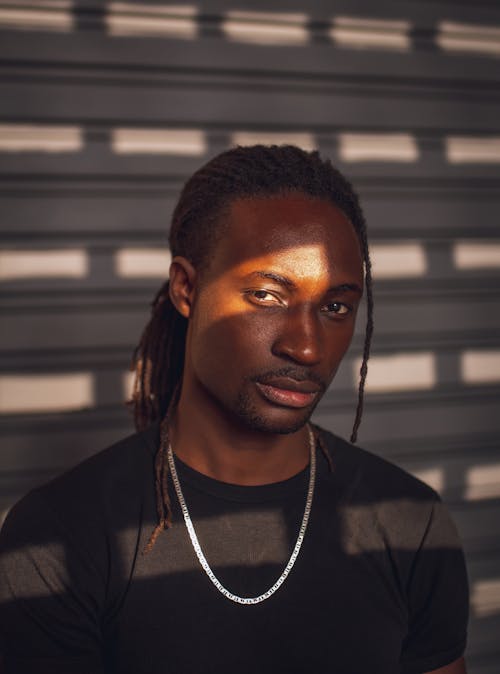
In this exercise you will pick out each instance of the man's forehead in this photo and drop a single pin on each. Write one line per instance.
(294, 228)
(275, 212)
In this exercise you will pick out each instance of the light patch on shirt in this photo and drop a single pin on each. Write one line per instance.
(400, 524)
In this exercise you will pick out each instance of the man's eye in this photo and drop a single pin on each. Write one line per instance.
(337, 308)
(263, 297)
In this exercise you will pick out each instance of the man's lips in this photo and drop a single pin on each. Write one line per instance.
(289, 392)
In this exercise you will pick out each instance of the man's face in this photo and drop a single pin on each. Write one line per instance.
(274, 313)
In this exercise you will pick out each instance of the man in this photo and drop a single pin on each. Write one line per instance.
(230, 534)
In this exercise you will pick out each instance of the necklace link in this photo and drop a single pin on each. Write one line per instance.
(199, 552)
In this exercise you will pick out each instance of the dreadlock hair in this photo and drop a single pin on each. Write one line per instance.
(197, 223)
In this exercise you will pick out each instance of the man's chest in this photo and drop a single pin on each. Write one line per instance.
(336, 611)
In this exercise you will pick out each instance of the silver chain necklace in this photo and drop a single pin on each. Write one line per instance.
(199, 551)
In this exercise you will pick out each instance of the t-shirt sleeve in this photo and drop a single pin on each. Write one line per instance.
(49, 595)
(438, 598)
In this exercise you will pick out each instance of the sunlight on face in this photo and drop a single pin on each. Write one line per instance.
(306, 267)
(307, 263)
(308, 242)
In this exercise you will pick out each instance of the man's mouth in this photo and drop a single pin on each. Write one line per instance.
(289, 392)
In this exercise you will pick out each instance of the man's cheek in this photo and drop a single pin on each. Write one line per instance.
(218, 344)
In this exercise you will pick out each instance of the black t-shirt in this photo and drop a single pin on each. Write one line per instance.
(379, 585)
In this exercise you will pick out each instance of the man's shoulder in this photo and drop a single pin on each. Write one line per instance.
(110, 468)
(104, 486)
(368, 472)
(379, 501)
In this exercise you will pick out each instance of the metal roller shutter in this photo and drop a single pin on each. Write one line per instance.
(106, 108)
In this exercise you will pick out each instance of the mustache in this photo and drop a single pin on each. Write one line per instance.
(300, 374)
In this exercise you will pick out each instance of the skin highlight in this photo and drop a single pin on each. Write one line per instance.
(275, 308)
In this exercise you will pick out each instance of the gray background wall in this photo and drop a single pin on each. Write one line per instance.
(105, 110)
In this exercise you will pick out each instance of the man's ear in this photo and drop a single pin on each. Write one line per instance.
(182, 285)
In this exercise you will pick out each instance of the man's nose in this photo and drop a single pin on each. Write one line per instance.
(300, 338)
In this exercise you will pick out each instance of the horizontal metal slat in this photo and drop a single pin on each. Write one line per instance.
(110, 324)
(105, 283)
(409, 418)
(407, 421)
(216, 53)
(198, 106)
(428, 162)
(114, 213)
(96, 356)
(422, 15)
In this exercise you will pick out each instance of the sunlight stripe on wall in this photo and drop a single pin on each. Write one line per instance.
(53, 15)
(370, 33)
(266, 28)
(398, 260)
(468, 37)
(304, 140)
(37, 393)
(189, 142)
(474, 255)
(399, 372)
(480, 367)
(434, 477)
(485, 597)
(482, 482)
(128, 385)
(34, 138)
(126, 19)
(467, 150)
(3, 515)
(385, 147)
(28, 264)
(142, 262)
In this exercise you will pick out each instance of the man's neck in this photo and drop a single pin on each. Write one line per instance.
(221, 448)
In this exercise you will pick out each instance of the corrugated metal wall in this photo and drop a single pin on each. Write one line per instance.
(105, 110)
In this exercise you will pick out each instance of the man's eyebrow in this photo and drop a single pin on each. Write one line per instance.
(282, 280)
(288, 283)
